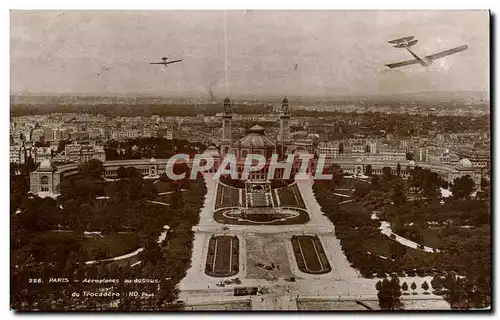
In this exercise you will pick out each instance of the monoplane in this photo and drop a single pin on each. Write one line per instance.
(166, 62)
(426, 61)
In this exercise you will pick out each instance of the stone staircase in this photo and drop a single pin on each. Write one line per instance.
(259, 199)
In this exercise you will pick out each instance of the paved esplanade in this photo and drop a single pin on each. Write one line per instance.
(342, 283)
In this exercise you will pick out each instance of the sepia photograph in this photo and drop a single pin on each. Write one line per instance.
(250, 160)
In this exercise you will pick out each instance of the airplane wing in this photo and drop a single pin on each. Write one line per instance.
(174, 61)
(156, 63)
(401, 39)
(446, 53)
(402, 63)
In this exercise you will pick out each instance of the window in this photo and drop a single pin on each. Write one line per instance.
(44, 180)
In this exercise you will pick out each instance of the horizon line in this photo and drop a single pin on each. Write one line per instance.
(263, 96)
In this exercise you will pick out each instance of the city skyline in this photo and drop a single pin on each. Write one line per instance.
(268, 52)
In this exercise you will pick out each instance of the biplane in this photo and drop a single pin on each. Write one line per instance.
(408, 42)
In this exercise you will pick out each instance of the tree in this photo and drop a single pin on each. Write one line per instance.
(19, 184)
(92, 169)
(132, 172)
(337, 175)
(413, 233)
(397, 250)
(376, 185)
(445, 184)
(177, 200)
(485, 184)
(121, 173)
(387, 173)
(431, 184)
(425, 286)
(14, 167)
(389, 294)
(436, 282)
(360, 191)
(413, 287)
(462, 187)
(148, 190)
(368, 170)
(417, 177)
(151, 253)
(164, 178)
(28, 166)
(404, 287)
(398, 195)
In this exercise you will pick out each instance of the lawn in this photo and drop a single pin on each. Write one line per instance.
(290, 197)
(222, 263)
(112, 245)
(310, 255)
(227, 197)
(222, 256)
(306, 250)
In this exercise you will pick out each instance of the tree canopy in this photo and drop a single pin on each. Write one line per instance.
(462, 187)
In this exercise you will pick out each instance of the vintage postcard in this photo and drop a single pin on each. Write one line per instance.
(245, 160)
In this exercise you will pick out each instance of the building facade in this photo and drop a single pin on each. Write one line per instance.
(80, 153)
(45, 180)
(17, 154)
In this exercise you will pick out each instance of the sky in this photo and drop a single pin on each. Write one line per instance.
(244, 53)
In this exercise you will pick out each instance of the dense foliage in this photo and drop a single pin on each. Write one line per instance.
(459, 227)
(48, 241)
(389, 294)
